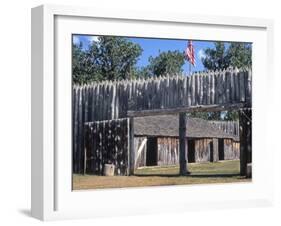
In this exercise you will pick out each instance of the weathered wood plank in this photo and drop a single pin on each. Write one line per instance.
(188, 85)
(193, 91)
(223, 86)
(212, 88)
(242, 86)
(248, 87)
(202, 88)
(228, 86)
(131, 146)
(208, 89)
(75, 128)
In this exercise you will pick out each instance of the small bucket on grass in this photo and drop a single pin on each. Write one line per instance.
(108, 170)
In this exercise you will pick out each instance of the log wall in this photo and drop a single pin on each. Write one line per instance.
(202, 150)
(106, 142)
(231, 149)
(168, 150)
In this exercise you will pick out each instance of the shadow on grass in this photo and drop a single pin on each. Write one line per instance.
(190, 175)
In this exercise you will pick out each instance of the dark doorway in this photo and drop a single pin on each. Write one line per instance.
(191, 150)
(152, 151)
(211, 146)
(221, 149)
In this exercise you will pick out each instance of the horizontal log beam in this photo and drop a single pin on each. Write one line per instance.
(197, 108)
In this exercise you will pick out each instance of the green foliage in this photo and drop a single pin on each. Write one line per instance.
(240, 55)
(108, 58)
(203, 115)
(216, 58)
(206, 115)
(231, 115)
(220, 57)
(144, 72)
(169, 62)
(224, 116)
(81, 68)
(113, 58)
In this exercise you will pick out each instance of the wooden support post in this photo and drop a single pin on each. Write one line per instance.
(182, 143)
(245, 133)
(131, 147)
(216, 149)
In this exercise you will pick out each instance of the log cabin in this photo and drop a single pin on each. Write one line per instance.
(156, 140)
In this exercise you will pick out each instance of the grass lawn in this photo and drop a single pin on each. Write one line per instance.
(200, 173)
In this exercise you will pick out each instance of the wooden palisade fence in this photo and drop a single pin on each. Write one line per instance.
(109, 100)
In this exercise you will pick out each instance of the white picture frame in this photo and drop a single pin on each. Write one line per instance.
(52, 195)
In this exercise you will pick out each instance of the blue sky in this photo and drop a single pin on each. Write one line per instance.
(152, 46)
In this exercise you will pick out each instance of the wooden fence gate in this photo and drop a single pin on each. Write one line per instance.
(107, 142)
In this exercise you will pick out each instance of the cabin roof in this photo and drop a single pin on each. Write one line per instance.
(168, 126)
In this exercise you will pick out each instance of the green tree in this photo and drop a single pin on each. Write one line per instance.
(81, 69)
(108, 58)
(169, 62)
(240, 55)
(236, 55)
(231, 115)
(206, 115)
(203, 115)
(144, 72)
(216, 58)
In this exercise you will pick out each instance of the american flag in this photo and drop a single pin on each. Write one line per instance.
(189, 53)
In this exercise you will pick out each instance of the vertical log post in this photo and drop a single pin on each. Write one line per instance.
(182, 143)
(131, 147)
(85, 149)
(245, 133)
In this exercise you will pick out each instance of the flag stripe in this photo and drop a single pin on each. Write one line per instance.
(189, 53)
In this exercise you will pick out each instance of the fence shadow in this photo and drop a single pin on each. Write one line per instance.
(189, 175)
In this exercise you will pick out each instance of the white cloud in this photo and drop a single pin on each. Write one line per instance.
(76, 40)
(93, 39)
(201, 54)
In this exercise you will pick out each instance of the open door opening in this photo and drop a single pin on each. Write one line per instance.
(221, 149)
(191, 150)
(211, 147)
(152, 151)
